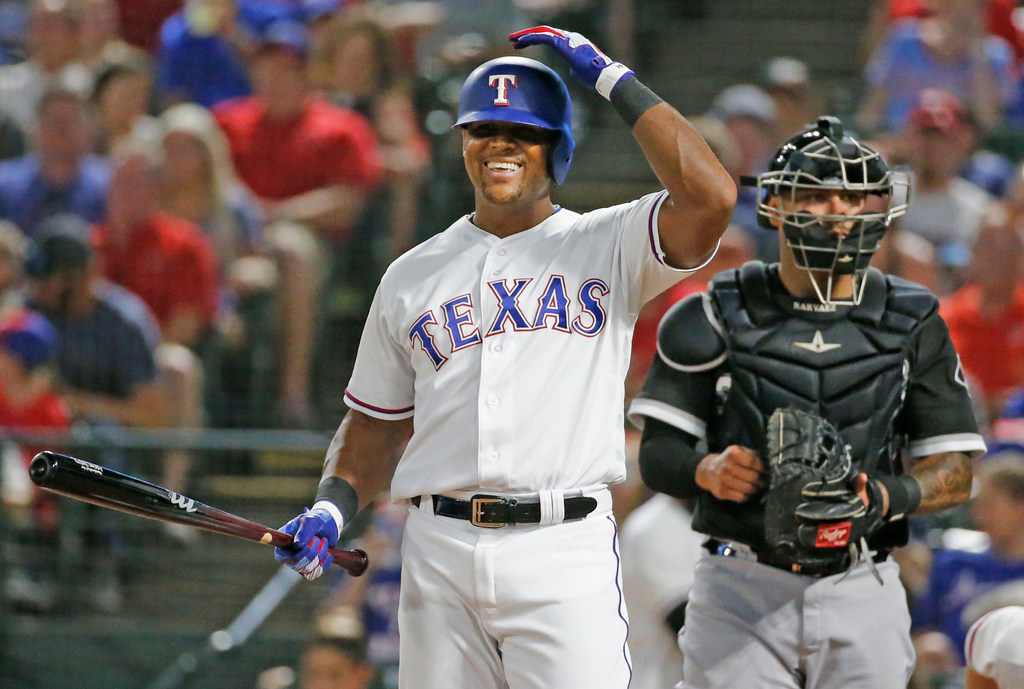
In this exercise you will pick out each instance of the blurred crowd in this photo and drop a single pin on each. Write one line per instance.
(198, 197)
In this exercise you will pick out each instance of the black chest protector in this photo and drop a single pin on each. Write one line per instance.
(850, 365)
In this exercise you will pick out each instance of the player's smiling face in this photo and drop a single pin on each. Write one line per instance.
(507, 162)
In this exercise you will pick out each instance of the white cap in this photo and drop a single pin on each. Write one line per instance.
(744, 100)
(787, 73)
(995, 646)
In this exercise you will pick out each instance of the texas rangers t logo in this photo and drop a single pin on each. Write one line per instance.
(503, 82)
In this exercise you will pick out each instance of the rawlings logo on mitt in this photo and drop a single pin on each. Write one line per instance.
(813, 515)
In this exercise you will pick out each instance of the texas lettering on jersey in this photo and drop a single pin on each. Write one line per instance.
(457, 320)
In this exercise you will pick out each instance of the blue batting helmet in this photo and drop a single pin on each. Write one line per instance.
(524, 91)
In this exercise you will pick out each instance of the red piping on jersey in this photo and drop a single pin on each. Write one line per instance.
(382, 410)
(974, 634)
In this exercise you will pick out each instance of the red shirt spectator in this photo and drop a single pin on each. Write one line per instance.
(141, 20)
(46, 412)
(28, 342)
(167, 261)
(986, 315)
(278, 159)
(991, 346)
(28, 402)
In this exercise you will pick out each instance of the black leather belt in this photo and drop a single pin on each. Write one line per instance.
(716, 547)
(495, 511)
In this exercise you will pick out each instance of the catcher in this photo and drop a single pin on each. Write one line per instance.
(809, 406)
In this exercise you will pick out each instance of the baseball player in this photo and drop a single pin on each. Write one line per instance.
(823, 333)
(995, 650)
(491, 369)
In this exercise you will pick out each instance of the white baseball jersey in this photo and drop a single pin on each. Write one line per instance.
(995, 646)
(511, 352)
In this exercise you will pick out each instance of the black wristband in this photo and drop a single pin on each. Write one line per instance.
(631, 99)
(341, 493)
(904, 495)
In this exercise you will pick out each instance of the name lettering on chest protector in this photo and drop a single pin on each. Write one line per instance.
(456, 319)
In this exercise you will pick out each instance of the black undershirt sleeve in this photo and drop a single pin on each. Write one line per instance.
(669, 459)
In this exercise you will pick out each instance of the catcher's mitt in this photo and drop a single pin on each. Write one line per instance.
(813, 516)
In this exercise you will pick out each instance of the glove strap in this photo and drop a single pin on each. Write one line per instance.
(631, 99)
(332, 509)
(904, 495)
(609, 77)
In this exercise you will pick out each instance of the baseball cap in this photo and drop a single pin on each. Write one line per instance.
(938, 109)
(63, 244)
(29, 337)
(744, 100)
(786, 73)
(285, 33)
(343, 629)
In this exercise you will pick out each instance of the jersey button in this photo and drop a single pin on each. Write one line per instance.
(502, 252)
(494, 401)
(497, 348)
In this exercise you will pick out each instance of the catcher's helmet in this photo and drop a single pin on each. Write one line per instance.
(822, 157)
(524, 91)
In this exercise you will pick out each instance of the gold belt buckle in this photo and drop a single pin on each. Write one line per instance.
(477, 503)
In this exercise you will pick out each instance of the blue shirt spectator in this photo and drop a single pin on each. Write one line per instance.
(198, 67)
(903, 66)
(27, 197)
(990, 171)
(199, 61)
(106, 335)
(957, 579)
(13, 18)
(58, 176)
(88, 358)
(961, 581)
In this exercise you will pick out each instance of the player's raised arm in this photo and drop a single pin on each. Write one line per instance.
(701, 193)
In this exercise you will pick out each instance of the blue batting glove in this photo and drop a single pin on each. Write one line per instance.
(587, 63)
(313, 532)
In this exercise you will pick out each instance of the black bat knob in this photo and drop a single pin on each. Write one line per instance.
(41, 468)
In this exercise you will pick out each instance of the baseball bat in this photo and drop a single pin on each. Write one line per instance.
(82, 480)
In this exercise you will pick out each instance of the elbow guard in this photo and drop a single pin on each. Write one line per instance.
(690, 336)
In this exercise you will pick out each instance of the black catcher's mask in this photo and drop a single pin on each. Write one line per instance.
(822, 157)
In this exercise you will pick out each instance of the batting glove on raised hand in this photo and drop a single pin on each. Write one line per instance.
(587, 63)
(313, 532)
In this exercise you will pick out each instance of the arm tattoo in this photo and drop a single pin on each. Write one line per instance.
(945, 480)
